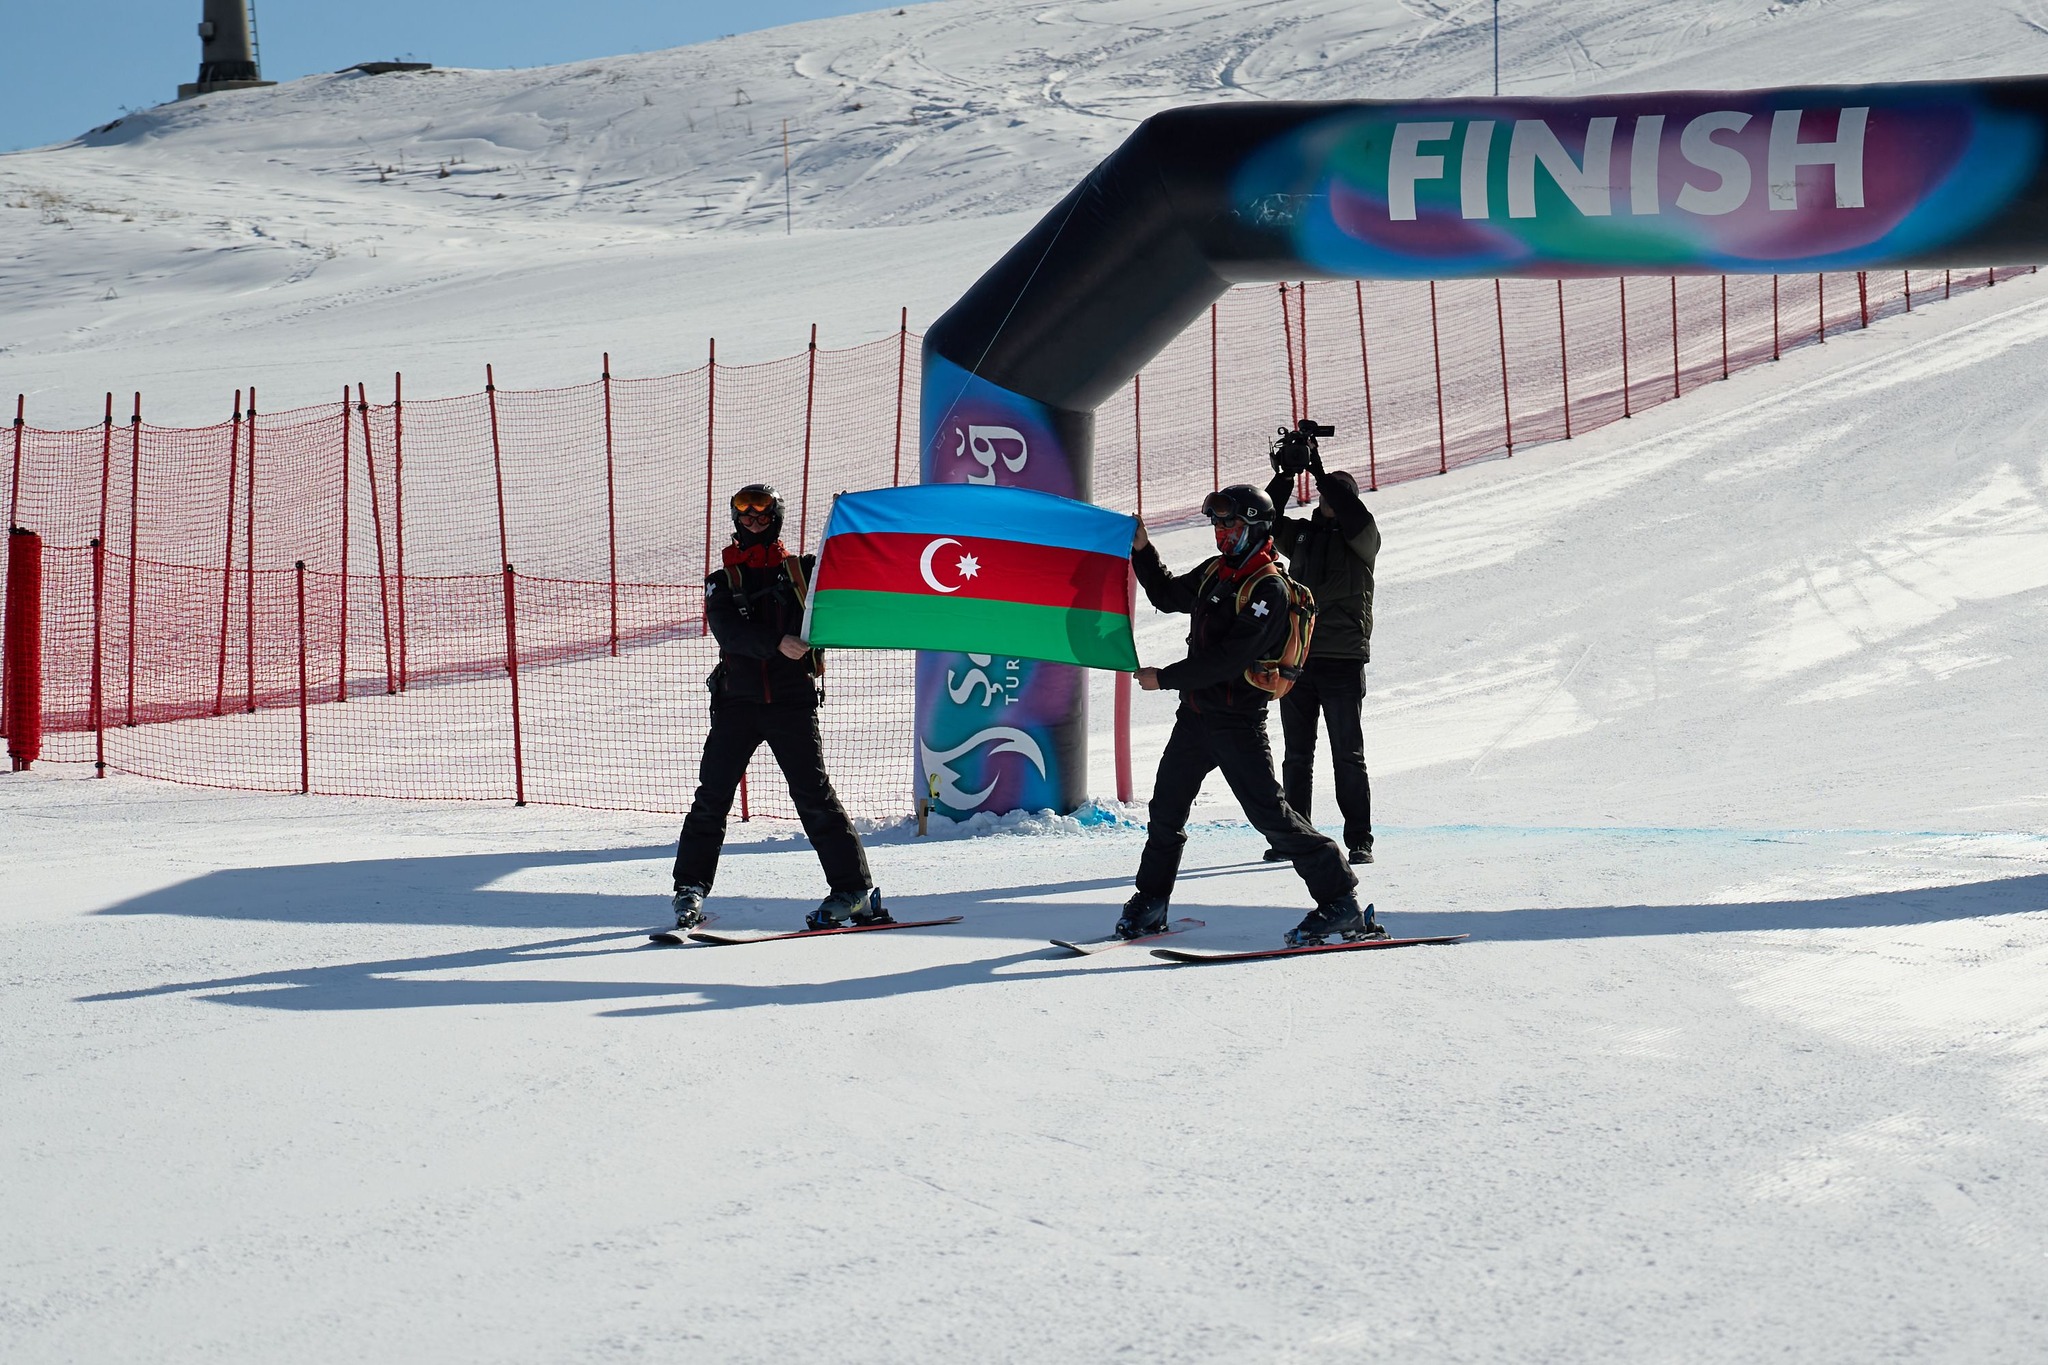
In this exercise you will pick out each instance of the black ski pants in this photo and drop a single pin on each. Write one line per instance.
(1235, 741)
(790, 730)
(1334, 691)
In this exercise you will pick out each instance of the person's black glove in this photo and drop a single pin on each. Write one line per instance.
(1315, 461)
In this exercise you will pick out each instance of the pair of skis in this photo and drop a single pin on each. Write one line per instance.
(700, 934)
(1101, 945)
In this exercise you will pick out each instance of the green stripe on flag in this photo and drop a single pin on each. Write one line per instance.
(845, 618)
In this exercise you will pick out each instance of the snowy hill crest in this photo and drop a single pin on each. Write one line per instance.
(560, 211)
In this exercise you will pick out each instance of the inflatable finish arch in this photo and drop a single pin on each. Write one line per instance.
(1199, 199)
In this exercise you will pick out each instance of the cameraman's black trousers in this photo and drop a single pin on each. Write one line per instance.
(1235, 741)
(790, 729)
(1334, 690)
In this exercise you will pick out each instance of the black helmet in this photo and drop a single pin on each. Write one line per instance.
(1240, 502)
(757, 497)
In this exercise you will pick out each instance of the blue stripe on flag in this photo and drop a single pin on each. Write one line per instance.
(960, 509)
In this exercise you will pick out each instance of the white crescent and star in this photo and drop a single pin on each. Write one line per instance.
(966, 566)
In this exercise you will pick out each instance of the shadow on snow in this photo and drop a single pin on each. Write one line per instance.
(450, 891)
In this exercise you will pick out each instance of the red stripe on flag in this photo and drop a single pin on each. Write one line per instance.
(975, 568)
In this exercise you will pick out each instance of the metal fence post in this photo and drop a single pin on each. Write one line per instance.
(249, 567)
(497, 467)
(341, 670)
(1215, 412)
(1626, 410)
(1564, 362)
(803, 520)
(902, 366)
(1724, 326)
(305, 745)
(1507, 407)
(377, 530)
(611, 509)
(710, 459)
(1287, 335)
(227, 557)
(14, 484)
(1674, 336)
(1443, 458)
(512, 672)
(1372, 457)
(398, 517)
(134, 541)
(98, 703)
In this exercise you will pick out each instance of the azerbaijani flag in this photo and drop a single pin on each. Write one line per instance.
(953, 566)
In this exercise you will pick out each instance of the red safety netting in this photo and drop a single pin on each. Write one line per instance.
(498, 596)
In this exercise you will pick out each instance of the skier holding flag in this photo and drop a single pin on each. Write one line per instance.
(765, 690)
(1239, 602)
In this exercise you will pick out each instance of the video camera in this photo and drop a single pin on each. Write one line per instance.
(1295, 451)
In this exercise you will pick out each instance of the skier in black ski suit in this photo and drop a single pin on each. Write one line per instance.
(1331, 553)
(1221, 722)
(765, 689)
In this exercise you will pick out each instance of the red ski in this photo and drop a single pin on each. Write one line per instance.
(724, 936)
(1103, 945)
(1253, 954)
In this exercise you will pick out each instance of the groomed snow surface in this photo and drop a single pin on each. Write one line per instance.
(1717, 731)
(1714, 732)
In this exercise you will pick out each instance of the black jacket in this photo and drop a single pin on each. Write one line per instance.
(1333, 559)
(1222, 641)
(750, 624)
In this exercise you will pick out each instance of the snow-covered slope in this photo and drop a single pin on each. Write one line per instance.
(306, 235)
(1716, 729)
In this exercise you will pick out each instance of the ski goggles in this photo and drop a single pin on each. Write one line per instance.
(1222, 510)
(753, 500)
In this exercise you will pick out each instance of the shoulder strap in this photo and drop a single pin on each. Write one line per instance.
(1264, 571)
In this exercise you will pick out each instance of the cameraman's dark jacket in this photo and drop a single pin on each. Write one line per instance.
(1334, 560)
(750, 624)
(1222, 641)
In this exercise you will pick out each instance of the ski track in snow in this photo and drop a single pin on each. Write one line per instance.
(1713, 729)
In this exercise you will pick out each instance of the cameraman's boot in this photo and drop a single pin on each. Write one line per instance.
(1341, 918)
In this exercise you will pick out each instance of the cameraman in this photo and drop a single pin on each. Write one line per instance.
(1331, 553)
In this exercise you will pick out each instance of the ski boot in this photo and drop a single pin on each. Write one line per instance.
(1340, 918)
(1143, 916)
(872, 910)
(1359, 855)
(1274, 855)
(689, 904)
(843, 908)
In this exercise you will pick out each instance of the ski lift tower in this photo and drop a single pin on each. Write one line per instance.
(227, 50)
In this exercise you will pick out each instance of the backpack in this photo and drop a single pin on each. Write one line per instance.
(793, 568)
(1276, 676)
